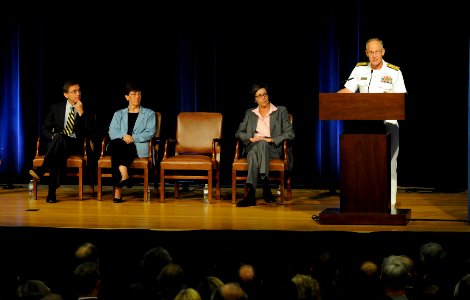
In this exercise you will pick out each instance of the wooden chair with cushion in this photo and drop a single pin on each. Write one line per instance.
(140, 168)
(278, 170)
(195, 153)
(156, 147)
(75, 166)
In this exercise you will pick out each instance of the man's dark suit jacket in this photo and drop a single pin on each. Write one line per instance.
(55, 119)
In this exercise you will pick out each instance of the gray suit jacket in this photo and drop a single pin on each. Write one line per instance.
(281, 129)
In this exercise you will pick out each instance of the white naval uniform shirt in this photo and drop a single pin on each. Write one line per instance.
(388, 79)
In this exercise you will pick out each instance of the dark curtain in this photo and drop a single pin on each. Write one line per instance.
(206, 61)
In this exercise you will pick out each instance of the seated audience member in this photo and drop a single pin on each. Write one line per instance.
(307, 287)
(248, 282)
(153, 261)
(87, 252)
(188, 294)
(170, 281)
(432, 271)
(230, 291)
(462, 288)
(87, 280)
(52, 296)
(207, 287)
(395, 277)
(32, 290)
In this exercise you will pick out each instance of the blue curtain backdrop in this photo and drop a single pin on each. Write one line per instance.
(209, 66)
(11, 107)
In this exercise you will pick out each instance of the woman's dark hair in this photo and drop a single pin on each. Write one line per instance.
(256, 87)
(132, 87)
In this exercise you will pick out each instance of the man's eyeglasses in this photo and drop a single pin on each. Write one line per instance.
(135, 94)
(262, 96)
(74, 92)
(372, 53)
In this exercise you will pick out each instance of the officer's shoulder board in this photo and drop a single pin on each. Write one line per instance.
(396, 68)
(361, 64)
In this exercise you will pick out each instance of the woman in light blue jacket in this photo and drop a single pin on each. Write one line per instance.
(130, 131)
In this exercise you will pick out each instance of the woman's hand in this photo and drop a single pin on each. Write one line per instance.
(128, 139)
(261, 138)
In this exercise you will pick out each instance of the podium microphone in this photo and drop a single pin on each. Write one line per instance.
(371, 71)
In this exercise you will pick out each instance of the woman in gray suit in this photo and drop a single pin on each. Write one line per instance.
(262, 131)
(130, 131)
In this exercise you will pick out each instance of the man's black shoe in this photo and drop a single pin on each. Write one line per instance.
(117, 200)
(51, 198)
(246, 202)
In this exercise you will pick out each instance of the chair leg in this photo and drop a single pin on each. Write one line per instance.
(234, 186)
(98, 175)
(281, 179)
(162, 185)
(177, 189)
(217, 188)
(35, 188)
(209, 179)
(91, 178)
(80, 183)
(146, 184)
(289, 189)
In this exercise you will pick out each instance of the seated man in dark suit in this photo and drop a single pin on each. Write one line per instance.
(65, 128)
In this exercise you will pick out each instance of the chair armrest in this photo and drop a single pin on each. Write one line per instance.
(38, 142)
(167, 145)
(216, 144)
(237, 149)
(85, 141)
(285, 150)
(104, 141)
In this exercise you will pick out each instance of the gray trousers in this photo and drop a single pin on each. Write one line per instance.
(258, 156)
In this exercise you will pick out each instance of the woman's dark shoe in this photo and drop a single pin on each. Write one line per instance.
(268, 196)
(250, 199)
(125, 183)
(117, 200)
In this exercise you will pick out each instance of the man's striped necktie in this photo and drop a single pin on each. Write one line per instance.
(68, 130)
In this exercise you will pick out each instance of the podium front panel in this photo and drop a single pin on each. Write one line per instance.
(365, 172)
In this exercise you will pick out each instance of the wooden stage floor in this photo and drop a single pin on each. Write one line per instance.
(38, 239)
(430, 211)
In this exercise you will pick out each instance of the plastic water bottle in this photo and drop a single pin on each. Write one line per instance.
(278, 194)
(30, 190)
(206, 194)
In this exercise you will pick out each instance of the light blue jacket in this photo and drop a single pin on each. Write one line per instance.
(144, 128)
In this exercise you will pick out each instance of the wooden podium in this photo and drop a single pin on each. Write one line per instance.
(364, 157)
